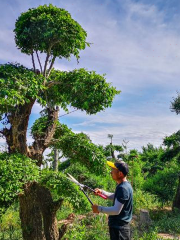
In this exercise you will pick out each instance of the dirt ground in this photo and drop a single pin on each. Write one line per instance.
(168, 236)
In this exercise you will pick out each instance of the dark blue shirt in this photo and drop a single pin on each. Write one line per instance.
(124, 194)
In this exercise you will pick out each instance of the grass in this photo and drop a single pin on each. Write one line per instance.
(166, 220)
(95, 226)
(10, 227)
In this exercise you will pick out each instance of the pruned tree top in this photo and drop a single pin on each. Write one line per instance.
(51, 30)
(82, 89)
(18, 85)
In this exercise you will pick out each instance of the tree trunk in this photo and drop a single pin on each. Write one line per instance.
(38, 213)
(37, 209)
(49, 209)
(30, 214)
(176, 202)
(55, 162)
(16, 136)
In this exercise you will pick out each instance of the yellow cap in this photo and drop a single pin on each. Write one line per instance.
(111, 164)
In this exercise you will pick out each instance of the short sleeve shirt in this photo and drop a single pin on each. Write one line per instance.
(124, 194)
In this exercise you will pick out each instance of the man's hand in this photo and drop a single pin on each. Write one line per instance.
(95, 208)
(97, 191)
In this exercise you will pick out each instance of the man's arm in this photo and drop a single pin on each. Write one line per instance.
(114, 210)
(109, 195)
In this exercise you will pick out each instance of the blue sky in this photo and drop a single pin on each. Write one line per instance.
(136, 43)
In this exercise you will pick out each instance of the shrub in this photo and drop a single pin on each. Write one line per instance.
(136, 176)
(145, 200)
(10, 227)
(163, 183)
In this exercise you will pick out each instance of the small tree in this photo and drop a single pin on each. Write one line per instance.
(51, 31)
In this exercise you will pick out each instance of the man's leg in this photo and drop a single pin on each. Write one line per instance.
(114, 233)
(125, 232)
(120, 234)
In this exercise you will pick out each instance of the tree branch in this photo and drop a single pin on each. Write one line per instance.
(57, 204)
(2, 132)
(41, 143)
(33, 62)
(47, 58)
(45, 65)
(50, 68)
(52, 83)
(39, 61)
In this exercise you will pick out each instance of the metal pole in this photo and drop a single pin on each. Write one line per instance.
(86, 196)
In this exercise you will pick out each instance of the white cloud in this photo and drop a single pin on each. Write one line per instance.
(137, 130)
(137, 49)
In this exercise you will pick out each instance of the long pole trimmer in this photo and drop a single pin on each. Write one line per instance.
(82, 186)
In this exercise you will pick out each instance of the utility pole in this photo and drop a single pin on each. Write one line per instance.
(112, 152)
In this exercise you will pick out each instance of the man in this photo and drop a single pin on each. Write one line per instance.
(120, 214)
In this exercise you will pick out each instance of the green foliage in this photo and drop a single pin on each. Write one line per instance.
(39, 127)
(18, 85)
(153, 159)
(85, 176)
(151, 234)
(66, 209)
(172, 143)
(108, 149)
(63, 165)
(144, 200)
(136, 175)
(10, 226)
(59, 185)
(175, 105)
(49, 29)
(79, 148)
(164, 182)
(15, 170)
(82, 89)
(93, 227)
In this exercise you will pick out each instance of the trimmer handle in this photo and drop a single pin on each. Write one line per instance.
(102, 195)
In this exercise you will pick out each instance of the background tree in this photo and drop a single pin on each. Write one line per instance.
(51, 31)
(173, 142)
(109, 150)
(173, 151)
(153, 159)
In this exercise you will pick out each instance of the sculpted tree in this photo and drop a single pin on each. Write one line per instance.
(49, 31)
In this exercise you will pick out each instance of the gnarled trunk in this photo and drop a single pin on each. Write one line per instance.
(30, 214)
(176, 202)
(16, 136)
(38, 213)
(37, 209)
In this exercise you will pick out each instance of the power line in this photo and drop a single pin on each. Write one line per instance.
(69, 113)
(61, 116)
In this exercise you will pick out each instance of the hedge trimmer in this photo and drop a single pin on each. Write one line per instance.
(82, 186)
